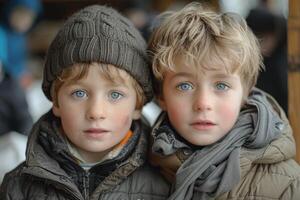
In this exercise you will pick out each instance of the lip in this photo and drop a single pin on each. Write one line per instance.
(203, 125)
(95, 132)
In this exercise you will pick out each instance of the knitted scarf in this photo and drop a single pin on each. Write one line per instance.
(214, 169)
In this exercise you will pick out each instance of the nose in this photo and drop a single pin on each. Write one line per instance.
(202, 100)
(96, 110)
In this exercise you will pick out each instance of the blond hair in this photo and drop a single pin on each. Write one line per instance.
(205, 38)
(112, 74)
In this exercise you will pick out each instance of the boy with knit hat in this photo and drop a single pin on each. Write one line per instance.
(92, 144)
(218, 137)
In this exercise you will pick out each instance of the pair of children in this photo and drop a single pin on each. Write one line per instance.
(220, 138)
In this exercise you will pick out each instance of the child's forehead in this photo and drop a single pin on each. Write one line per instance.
(103, 68)
(107, 71)
(202, 66)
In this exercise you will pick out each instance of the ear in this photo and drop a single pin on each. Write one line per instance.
(136, 114)
(56, 110)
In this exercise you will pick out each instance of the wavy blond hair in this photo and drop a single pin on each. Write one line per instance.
(205, 38)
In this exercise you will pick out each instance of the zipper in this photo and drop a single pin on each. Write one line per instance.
(86, 185)
(67, 191)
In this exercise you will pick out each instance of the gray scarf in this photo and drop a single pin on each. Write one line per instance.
(214, 169)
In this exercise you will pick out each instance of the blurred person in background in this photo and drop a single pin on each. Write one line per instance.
(271, 29)
(14, 113)
(14, 116)
(17, 18)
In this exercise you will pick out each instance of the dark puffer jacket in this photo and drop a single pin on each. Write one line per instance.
(50, 171)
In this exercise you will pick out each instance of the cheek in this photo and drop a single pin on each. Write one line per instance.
(177, 120)
(125, 120)
(124, 113)
(121, 126)
(229, 113)
(68, 120)
(176, 110)
(122, 120)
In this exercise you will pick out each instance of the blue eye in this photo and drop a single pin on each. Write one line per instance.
(79, 94)
(116, 95)
(185, 86)
(222, 86)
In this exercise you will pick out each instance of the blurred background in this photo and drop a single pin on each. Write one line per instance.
(28, 26)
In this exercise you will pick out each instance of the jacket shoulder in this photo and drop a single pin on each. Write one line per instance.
(21, 186)
(12, 184)
(271, 181)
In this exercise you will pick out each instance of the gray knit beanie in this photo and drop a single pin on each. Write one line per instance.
(98, 34)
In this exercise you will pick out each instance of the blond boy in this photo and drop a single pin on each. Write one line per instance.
(92, 144)
(218, 137)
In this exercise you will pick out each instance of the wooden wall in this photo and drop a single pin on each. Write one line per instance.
(294, 70)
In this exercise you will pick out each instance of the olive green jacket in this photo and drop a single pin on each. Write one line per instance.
(50, 173)
(270, 172)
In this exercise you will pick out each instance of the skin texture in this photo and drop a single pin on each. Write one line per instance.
(96, 113)
(202, 105)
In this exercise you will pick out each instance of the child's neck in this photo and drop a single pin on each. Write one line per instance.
(93, 157)
(97, 157)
